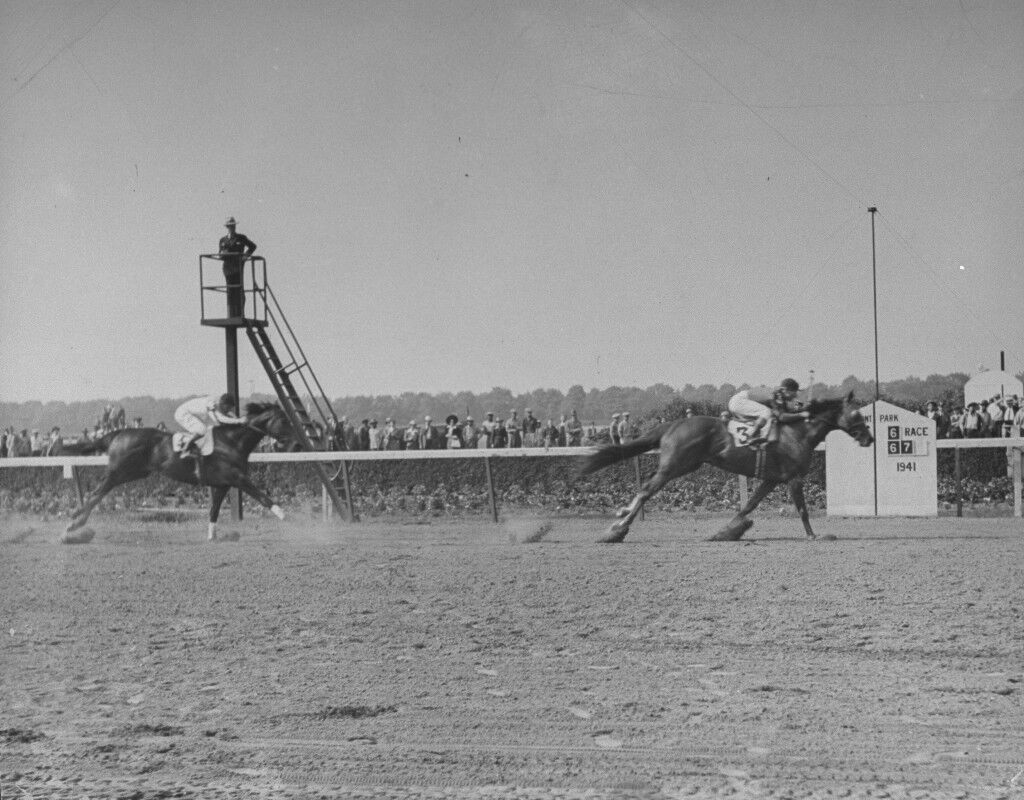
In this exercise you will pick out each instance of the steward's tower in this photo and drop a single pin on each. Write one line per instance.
(252, 305)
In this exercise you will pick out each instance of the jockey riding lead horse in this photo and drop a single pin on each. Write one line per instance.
(688, 443)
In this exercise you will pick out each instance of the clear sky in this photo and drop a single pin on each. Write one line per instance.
(460, 195)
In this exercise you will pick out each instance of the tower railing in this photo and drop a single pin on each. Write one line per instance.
(213, 291)
(298, 364)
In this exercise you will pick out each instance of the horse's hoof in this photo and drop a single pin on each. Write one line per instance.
(615, 535)
(83, 536)
(733, 531)
(622, 512)
(277, 512)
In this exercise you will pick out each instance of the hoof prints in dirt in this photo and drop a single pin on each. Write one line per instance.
(353, 712)
(153, 730)
(19, 736)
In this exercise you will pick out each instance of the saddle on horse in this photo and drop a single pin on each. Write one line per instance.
(748, 432)
(188, 445)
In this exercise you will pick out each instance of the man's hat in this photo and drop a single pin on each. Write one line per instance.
(469, 419)
(789, 383)
(615, 415)
(230, 223)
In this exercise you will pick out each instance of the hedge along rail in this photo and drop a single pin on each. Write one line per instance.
(70, 464)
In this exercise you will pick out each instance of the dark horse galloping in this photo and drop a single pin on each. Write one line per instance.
(688, 443)
(136, 453)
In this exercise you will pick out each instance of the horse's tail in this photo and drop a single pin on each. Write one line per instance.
(609, 454)
(87, 447)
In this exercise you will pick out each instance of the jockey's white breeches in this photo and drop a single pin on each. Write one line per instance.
(742, 406)
(190, 421)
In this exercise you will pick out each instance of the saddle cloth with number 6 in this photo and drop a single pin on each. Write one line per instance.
(178, 441)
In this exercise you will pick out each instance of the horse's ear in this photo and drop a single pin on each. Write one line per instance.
(849, 397)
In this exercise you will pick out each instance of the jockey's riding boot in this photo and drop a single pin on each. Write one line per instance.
(189, 448)
(199, 467)
(754, 436)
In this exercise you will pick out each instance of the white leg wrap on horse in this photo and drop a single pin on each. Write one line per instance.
(276, 511)
(211, 531)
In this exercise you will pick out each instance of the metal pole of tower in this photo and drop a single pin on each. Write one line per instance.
(231, 348)
(874, 299)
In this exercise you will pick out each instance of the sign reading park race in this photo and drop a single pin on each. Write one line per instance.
(907, 467)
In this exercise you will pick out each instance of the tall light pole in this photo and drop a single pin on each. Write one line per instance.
(874, 292)
(874, 299)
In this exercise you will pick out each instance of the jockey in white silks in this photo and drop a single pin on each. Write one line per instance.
(202, 413)
(761, 406)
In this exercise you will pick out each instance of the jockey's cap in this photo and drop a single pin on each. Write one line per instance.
(789, 383)
(226, 400)
(230, 223)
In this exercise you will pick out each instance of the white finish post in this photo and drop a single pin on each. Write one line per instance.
(1018, 481)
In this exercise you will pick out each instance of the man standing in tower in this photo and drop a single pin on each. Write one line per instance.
(235, 248)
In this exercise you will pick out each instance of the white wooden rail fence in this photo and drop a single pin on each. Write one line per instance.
(1014, 450)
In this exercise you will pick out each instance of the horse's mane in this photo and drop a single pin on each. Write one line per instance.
(817, 408)
(255, 409)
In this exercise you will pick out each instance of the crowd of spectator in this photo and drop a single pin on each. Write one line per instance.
(998, 417)
(22, 444)
(490, 433)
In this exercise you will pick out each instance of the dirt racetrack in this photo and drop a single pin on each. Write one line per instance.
(462, 659)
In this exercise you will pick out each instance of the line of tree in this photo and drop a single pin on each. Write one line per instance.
(595, 405)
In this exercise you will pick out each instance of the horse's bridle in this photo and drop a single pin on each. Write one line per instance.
(273, 412)
(859, 430)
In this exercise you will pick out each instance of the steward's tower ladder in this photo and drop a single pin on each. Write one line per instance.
(285, 365)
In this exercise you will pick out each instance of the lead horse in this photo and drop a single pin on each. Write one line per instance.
(688, 443)
(136, 453)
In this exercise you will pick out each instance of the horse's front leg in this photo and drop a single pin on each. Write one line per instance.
(739, 524)
(796, 491)
(260, 496)
(217, 495)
